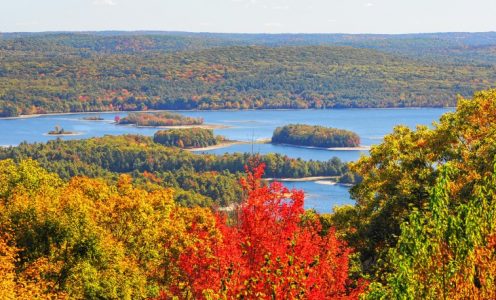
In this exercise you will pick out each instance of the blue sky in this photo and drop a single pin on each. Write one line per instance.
(271, 16)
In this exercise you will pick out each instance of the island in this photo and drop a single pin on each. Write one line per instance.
(315, 136)
(188, 138)
(158, 119)
(93, 118)
(61, 131)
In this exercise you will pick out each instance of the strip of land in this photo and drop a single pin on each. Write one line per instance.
(203, 126)
(64, 134)
(301, 179)
(228, 144)
(359, 148)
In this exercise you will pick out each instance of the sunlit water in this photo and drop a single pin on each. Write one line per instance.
(250, 125)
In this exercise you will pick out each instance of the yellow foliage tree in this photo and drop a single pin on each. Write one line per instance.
(87, 238)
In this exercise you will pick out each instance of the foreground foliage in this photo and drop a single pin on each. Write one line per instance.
(400, 173)
(271, 251)
(424, 218)
(87, 239)
(449, 250)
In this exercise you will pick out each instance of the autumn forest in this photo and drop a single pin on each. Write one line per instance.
(139, 216)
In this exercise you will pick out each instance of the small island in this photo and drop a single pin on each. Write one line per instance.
(61, 131)
(93, 118)
(315, 136)
(158, 119)
(188, 138)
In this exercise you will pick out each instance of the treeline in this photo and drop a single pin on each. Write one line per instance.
(214, 177)
(315, 136)
(159, 119)
(186, 138)
(55, 77)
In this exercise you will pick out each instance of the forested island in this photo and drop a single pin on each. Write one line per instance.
(315, 136)
(187, 138)
(92, 72)
(60, 131)
(93, 118)
(159, 119)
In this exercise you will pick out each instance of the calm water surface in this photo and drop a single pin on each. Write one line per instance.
(250, 125)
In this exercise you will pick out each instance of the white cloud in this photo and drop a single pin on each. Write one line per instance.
(369, 4)
(104, 2)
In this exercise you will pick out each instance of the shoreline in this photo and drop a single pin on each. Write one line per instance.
(214, 147)
(268, 141)
(207, 110)
(65, 134)
(303, 179)
(323, 180)
(225, 145)
(203, 126)
(359, 148)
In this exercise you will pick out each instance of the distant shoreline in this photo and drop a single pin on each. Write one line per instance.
(203, 126)
(224, 109)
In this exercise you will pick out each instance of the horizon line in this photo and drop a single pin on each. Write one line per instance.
(240, 33)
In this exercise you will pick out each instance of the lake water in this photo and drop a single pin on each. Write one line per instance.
(249, 125)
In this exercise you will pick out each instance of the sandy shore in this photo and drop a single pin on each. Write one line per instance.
(326, 182)
(203, 126)
(313, 178)
(218, 146)
(227, 144)
(65, 134)
(359, 148)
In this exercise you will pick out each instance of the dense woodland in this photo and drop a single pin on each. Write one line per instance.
(423, 227)
(200, 179)
(74, 72)
(158, 119)
(187, 138)
(315, 136)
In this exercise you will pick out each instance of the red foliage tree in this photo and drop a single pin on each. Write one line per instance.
(271, 251)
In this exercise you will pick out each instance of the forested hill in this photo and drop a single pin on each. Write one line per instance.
(443, 46)
(66, 72)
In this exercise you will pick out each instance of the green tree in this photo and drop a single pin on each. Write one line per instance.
(448, 250)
